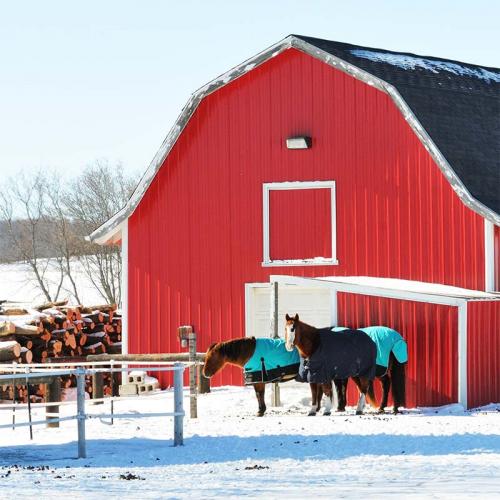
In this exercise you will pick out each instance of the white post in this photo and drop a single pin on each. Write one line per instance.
(80, 404)
(462, 354)
(178, 408)
(124, 286)
(275, 393)
(333, 307)
(489, 256)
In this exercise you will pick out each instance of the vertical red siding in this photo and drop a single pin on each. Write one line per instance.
(196, 237)
(300, 224)
(483, 353)
(431, 333)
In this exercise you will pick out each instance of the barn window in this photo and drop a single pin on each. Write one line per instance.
(299, 223)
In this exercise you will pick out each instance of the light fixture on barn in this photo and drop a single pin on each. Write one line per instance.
(299, 142)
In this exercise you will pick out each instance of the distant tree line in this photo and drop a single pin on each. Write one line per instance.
(44, 219)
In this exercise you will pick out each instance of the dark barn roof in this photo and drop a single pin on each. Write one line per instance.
(458, 104)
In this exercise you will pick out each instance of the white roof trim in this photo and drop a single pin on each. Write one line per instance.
(392, 288)
(107, 231)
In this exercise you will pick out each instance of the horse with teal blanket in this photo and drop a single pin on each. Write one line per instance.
(264, 360)
(392, 356)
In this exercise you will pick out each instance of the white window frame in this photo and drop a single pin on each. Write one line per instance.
(287, 186)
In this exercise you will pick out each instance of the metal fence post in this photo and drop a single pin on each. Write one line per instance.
(178, 408)
(29, 401)
(80, 405)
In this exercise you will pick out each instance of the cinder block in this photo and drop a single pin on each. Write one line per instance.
(136, 377)
(128, 390)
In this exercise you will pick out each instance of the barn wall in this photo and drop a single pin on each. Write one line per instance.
(431, 333)
(196, 236)
(483, 353)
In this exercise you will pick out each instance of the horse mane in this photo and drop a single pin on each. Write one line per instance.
(235, 348)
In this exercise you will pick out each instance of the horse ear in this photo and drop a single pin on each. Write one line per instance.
(287, 317)
(296, 317)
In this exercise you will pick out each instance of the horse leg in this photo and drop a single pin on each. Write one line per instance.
(365, 387)
(316, 395)
(341, 389)
(260, 390)
(319, 396)
(398, 376)
(386, 385)
(328, 390)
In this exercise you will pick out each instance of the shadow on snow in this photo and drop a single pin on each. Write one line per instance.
(141, 452)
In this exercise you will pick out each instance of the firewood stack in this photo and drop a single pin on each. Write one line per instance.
(56, 332)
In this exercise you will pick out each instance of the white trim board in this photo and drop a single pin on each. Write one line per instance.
(266, 237)
(489, 256)
(124, 286)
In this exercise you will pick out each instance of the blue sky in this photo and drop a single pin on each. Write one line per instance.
(106, 79)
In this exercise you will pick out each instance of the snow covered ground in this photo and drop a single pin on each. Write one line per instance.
(18, 285)
(228, 451)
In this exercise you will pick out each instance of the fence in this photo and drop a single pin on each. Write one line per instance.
(25, 374)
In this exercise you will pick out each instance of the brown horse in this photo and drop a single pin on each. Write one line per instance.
(306, 339)
(237, 352)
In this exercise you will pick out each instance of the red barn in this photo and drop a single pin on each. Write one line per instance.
(322, 159)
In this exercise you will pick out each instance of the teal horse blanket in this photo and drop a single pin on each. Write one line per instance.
(271, 362)
(387, 340)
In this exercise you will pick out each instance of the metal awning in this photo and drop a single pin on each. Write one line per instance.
(392, 288)
(417, 291)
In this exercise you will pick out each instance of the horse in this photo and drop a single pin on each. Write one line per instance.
(239, 352)
(346, 354)
(392, 357)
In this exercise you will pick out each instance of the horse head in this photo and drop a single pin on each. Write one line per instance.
(290, 327)
(214, 360)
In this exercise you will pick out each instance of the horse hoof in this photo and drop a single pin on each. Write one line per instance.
(359, 412)
(380, 411)
(260, 414)
(311, 414)
(396, 411)
(340, 410)
(326, 413)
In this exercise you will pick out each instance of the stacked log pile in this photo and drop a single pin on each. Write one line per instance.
(56, 332)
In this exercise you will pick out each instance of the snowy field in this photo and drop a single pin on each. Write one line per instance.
(17, 285)
(228, 451)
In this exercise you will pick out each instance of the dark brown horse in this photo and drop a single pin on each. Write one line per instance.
(306, 339)
(237, 352)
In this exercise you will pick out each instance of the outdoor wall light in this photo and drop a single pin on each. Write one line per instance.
(301, 142)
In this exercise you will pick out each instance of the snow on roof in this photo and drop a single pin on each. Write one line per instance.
(406, 61)
(413, 286)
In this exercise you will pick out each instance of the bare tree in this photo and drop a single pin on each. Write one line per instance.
(23, 209)
(65, 242)
(46, 223)
(90, 200)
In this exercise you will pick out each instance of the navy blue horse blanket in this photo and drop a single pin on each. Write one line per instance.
(271, 362)
(348, 353)
(387, 341)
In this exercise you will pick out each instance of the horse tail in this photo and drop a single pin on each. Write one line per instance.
(370, 395)
(398, 376)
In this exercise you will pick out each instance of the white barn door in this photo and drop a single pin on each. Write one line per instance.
(312, 304)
